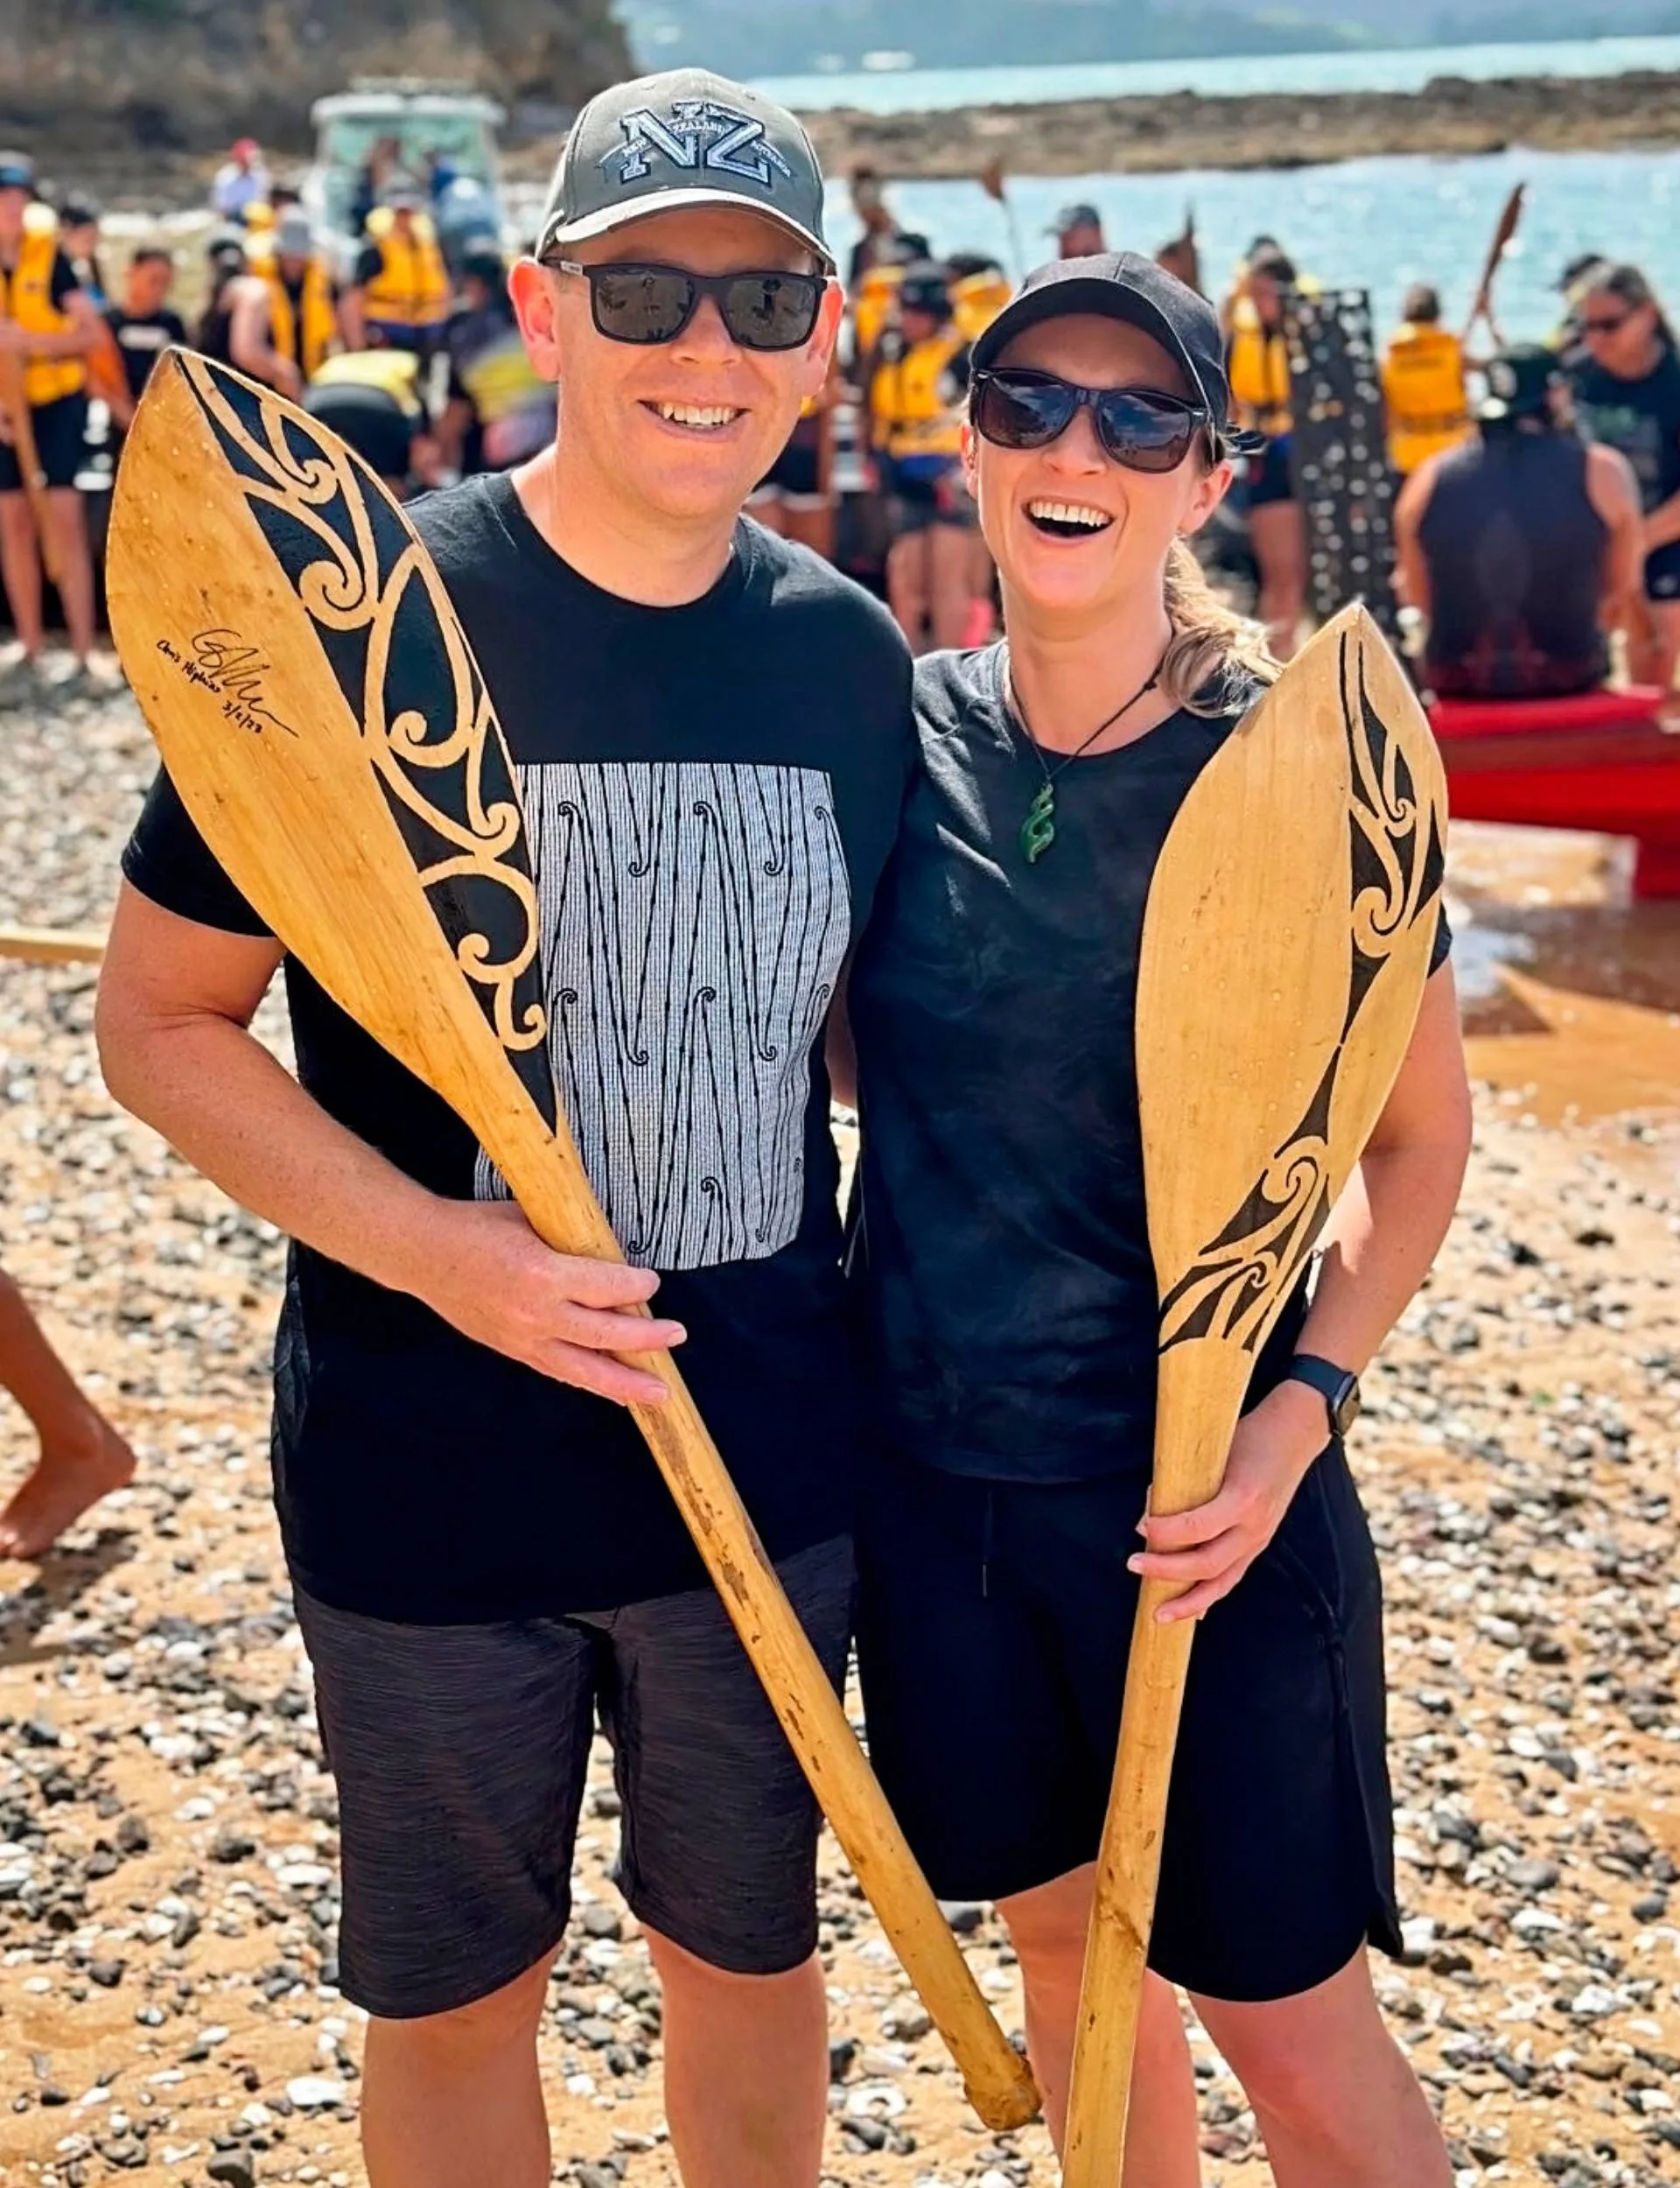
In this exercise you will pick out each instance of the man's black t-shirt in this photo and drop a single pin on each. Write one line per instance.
(711, 791)
(142, 337)
(1004, 1255)
(1641, 419)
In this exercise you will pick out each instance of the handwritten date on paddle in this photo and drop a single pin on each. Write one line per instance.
(233, 671)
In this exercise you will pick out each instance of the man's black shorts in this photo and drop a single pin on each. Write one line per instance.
(60, 440)
(461, 1754)
(994, 1624)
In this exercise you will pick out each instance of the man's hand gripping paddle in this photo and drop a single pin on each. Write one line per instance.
(1286, 942)
(319, 711)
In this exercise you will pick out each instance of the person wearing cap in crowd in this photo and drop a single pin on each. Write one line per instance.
(48, 328)
(143, 326)
(400, 289)
(240, 182)
(285, 315)
(1522, 546)
(79, 220)
(497, 409)
(1626, 380)
(915, 386)
(875, 247)
(1258, 364)
(711, 732)
(1424, 387)
(1078, 231)
(1571, 285)
(1007, 1291)
(225, 268)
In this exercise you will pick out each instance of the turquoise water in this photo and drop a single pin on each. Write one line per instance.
(1407, 68)
(1379, 224)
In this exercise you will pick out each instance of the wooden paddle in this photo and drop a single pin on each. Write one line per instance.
(52, 945)
(21, 422)
(1286, 942)
(322, 716)
(1506, 230)
(994, 181)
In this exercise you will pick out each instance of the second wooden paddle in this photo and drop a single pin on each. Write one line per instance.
(323, 719)
(1286, 942)
(20, 424)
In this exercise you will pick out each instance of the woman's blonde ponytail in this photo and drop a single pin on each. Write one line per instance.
(1212, 646)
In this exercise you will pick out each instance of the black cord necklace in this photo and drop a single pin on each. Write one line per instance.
(1038, 831)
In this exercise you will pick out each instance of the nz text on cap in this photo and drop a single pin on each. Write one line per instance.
(683, 138)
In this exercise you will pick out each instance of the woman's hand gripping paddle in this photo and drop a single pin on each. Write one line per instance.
(319, 711)
(1286, 944)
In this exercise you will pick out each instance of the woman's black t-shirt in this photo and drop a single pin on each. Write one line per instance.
(1641, 419)
(1002, 1251)
(711, 792)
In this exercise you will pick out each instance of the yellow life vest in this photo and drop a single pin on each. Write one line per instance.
(320, 328)
(877, 295)
(26, 296)
(976, 300)
(395, 372)
(912, 414)
(411, 288)
(1258, 371)
(1423, 386)
(259, 216)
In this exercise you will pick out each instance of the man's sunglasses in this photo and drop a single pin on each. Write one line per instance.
(1606, 326)
(654, 304)
(1144, 429)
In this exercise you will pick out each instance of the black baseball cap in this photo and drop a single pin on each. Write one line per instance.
(685, 138)
(925, 286)
(1125, 286)
(16, 170)
(1073, 216)
(1520, 382)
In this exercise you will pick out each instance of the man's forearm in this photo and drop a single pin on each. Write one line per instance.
(219, 1096)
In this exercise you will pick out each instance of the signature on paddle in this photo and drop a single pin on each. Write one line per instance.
(224, 664)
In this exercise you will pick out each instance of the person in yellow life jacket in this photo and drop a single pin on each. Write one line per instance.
(1423, 384)
(916, 384)
(400, 291)
(1257, 357)
(284, 317)
(48, 327)
(372, 400)
(980, 288)
(498, 410)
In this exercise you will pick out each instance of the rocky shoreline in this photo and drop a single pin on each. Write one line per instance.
(1452, 116)
(168, 1889)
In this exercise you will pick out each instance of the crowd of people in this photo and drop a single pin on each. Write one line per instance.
(410, 350)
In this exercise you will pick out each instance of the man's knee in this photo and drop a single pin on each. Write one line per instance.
(463, 2038)
(680, 1969)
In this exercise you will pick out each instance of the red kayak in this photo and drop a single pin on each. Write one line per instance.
(1602, 762)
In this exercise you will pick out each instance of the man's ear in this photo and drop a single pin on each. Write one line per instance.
(819, 353)
(534, 292)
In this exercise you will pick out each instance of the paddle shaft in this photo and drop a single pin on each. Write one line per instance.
(1483, 306)
(52, 945)
(15, 403)
(1202, 1385)
(548, 1181)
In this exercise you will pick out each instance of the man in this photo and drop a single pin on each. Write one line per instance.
(81, 1456)
(1422, 383)
(1078, 231)
(712, 736)
(143, 325)
(1522, 546)
(497, 412)
(285, 311)
(48, 327)
(915, 385)
(399, 293)
(240, 182)
(225, 268)
(875, 247)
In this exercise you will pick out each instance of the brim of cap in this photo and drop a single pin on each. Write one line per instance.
(1066, 299)
(642, 209)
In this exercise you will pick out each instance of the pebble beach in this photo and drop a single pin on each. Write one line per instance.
(168, 2004)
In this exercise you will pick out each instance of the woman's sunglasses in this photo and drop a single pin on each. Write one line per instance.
(654, 304)
(1143, 429)
(1603, 326)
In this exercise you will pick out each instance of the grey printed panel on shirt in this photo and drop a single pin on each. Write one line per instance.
(694, 922)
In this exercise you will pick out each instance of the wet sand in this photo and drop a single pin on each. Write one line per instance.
(167, 1834)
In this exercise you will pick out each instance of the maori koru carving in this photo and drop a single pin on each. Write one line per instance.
(1397, 858)
(398, 653)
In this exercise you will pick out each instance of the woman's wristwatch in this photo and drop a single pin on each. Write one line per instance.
(1338, 1387)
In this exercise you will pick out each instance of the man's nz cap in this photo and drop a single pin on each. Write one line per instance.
(1124, 285)
(683, 138)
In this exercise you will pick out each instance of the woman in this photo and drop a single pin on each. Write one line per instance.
(1627, 383)
(1005, 1269)
(1258, 367)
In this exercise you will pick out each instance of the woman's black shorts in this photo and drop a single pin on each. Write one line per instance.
(1270, 478)
(60, 443)
(994, 1625)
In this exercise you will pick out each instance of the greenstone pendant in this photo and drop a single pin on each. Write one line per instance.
(1038, 829)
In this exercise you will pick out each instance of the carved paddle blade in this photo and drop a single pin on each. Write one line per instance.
(349, 689)
(1285, 944)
